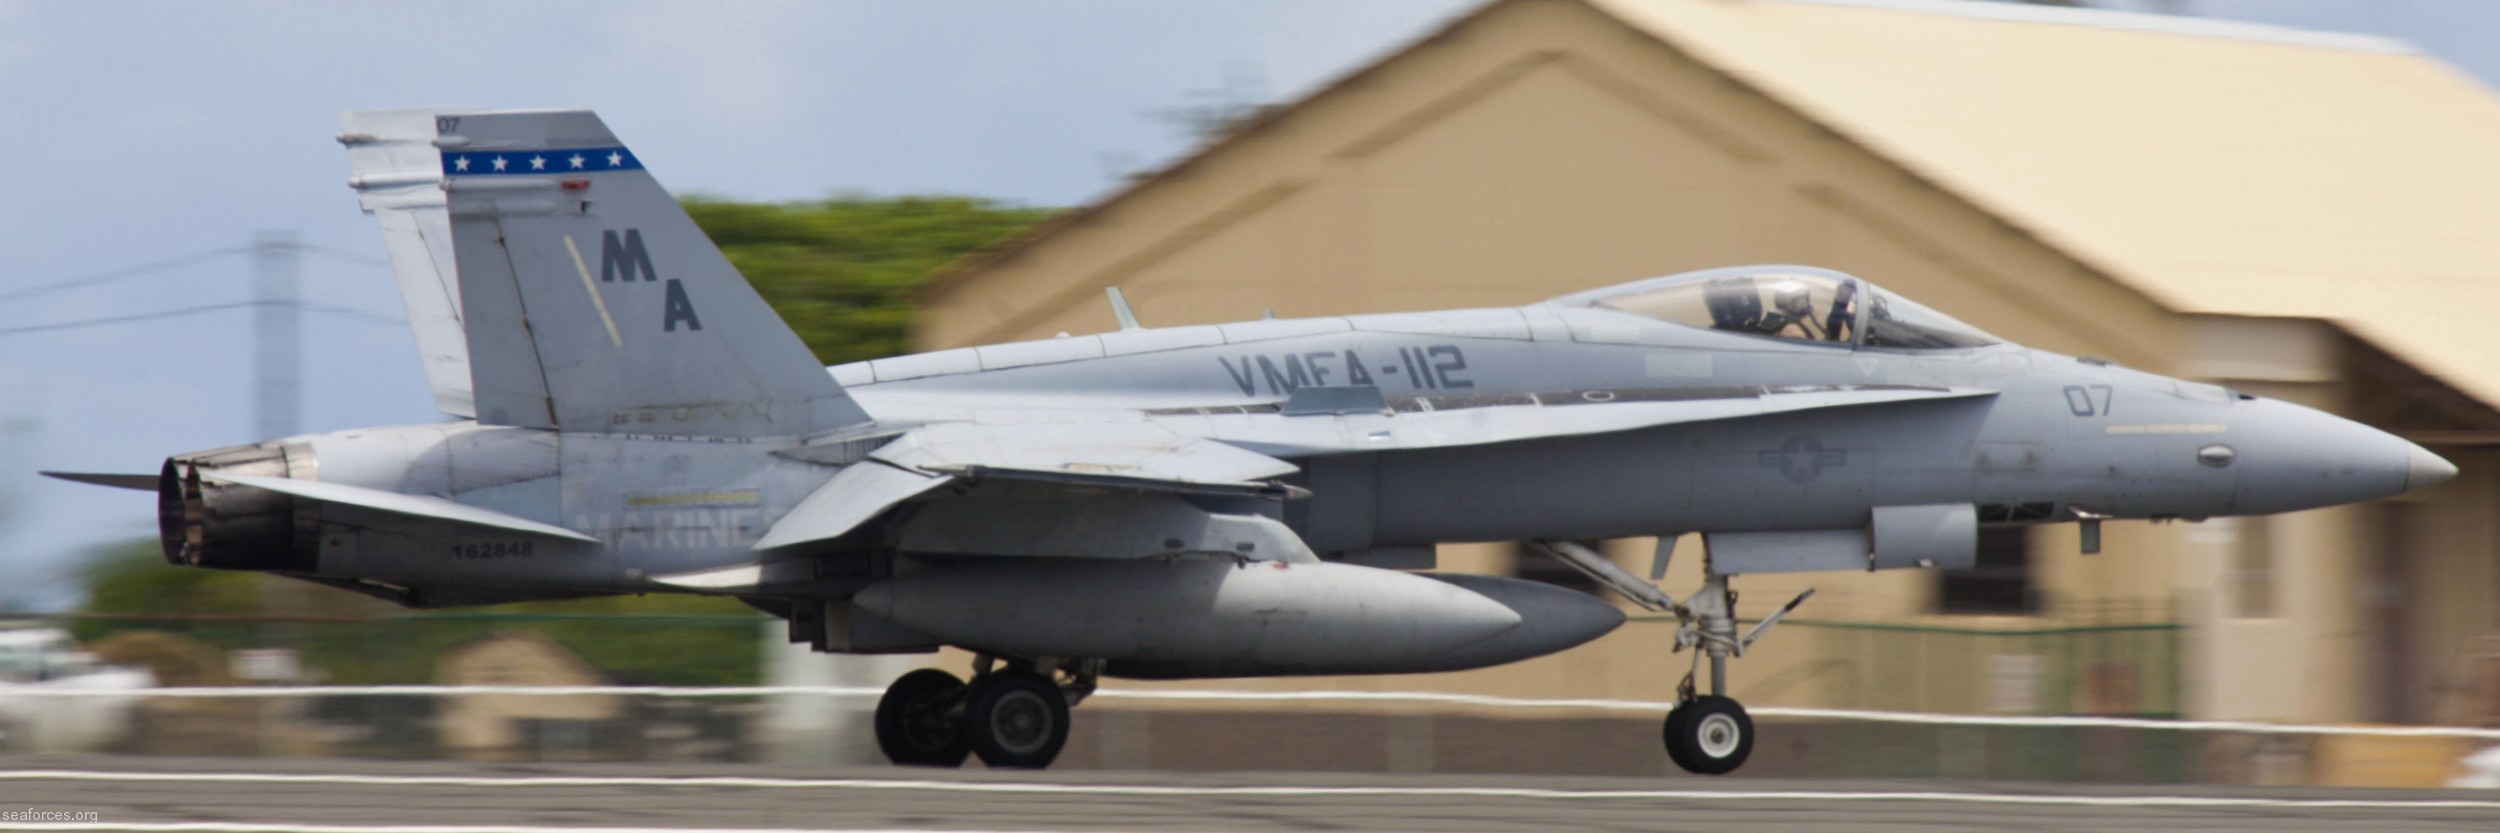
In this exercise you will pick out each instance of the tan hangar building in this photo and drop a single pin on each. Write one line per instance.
(2307, 216)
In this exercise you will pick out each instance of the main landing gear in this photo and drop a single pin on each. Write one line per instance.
(1708, 734)
(1014, 717)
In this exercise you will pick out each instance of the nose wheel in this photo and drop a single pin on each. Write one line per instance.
(1013, 718)
(1709, 735)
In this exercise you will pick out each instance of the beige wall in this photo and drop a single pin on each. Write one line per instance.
(1539, 151)
(1543, 149)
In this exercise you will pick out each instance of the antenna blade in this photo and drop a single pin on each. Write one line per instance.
(1120, 310)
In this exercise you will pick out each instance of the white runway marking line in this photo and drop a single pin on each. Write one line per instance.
(1443, 698)
(1031, 788)
(240, 827)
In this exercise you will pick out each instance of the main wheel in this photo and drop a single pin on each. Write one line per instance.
(1017, 720)
(1714, 736)
(1676, 727)
(917, 723)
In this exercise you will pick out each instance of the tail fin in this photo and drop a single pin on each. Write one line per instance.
(398, 179)
(593, 303)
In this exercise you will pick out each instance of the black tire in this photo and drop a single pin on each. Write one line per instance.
(918, 723)
(1017, 720)
(1675, 728)
(1715, 736)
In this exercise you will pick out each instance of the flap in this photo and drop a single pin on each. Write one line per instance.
(423, 506)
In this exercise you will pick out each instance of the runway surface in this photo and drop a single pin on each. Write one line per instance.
(198, 795)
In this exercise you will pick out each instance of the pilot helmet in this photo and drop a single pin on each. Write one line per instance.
(1792, 298)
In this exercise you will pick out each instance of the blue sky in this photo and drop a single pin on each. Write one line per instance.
(133, 132)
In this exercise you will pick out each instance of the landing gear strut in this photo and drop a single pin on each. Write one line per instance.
(1708, 734)
(1015, 717)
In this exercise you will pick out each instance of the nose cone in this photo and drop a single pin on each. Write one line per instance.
(2292, 458)
(2424, 469)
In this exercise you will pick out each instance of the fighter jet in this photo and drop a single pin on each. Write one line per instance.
(1237, 500)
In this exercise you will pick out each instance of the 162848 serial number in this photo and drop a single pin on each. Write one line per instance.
(493, 549)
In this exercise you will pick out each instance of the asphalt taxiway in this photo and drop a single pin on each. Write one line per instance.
(207, 795)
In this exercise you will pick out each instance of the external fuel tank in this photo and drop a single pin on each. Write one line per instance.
(1198, 616)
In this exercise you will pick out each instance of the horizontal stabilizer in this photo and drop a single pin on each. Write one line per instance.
(141, 482)
(422, 506)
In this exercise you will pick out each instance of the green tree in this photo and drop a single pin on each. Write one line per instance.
(840, 270)
(355, 639)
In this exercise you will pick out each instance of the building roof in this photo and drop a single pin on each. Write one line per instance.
(2216, 168)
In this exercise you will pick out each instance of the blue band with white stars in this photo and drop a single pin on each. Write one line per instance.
(552, 161)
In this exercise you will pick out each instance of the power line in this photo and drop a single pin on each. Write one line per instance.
(145, 269)
(326, 309)
(123, 273)
(345, 255)
(352, 314)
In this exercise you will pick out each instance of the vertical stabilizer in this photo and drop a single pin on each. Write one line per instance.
(593, 303)
(398, 177)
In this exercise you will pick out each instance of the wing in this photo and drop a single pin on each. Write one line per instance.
(1116, 456)
(1482, 419)
(1122, 489)
(859, 492)
(1147, 455)
(1106, 490)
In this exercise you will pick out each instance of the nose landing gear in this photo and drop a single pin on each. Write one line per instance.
(1707, 734)
(1014, 717)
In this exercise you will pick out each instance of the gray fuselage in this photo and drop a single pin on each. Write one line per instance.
(2051, 438)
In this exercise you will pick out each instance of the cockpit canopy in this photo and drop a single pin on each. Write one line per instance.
(1799, 303)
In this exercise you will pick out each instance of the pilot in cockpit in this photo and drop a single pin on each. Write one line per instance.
(1793, 315)
(1793, 303)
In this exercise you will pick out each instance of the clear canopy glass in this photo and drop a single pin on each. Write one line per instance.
(1895, 321)
(1793, 303)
